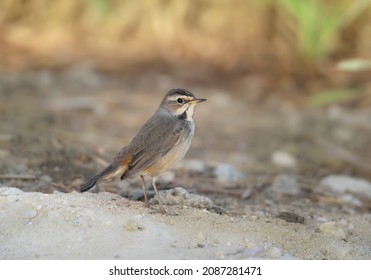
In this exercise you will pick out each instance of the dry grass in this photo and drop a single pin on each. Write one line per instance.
(227, 35)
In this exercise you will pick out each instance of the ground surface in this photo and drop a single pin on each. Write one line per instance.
(283, 182)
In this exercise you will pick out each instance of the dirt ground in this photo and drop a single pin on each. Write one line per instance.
(262, 179)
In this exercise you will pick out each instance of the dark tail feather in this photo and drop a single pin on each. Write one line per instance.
(87, 185)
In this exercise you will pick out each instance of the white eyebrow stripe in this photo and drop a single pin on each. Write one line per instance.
(175, 97)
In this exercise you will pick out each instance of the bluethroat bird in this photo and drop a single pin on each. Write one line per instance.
(160, 144)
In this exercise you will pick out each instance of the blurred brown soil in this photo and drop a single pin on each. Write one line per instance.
(63, 126)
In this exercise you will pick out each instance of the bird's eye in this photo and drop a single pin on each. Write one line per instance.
(180, 100)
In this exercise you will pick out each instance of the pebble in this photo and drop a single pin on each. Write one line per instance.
(131, 225)
(194, 165)
(5, 191)
(291, 217)
(322, 219)
(274, 252)
(331, 228)
(284, 159)
(30, 214)
(253, 250)
(343, 184)
(167, 177)
(246, 193)
(286, 184)
(348, 198)
(46, 178)
(227, 173)
(180, 196)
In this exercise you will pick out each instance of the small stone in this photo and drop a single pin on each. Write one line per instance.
(343, 184)
(253, 251)
(193, 165)
(274, 252)
(284, 159)
(291, 217)
(180, 196)
(30, 214)
(6, 191)
(131, 225)
(167, 177)
(246, 193)
(249, 244)
(286, 184)
(227, 173)
(322, 219)
(331, 228)
(348, 198)
(46, 178)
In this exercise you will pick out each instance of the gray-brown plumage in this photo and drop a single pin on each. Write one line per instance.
(162, 142)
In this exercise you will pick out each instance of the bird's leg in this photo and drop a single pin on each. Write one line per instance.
(144, 190)
(159, 198)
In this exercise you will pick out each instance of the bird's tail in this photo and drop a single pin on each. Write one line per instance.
(106, 173)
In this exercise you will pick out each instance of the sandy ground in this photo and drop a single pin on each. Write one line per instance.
(106, 226)
(269, 181)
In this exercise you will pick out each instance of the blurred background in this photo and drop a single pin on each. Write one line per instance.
(296, 42)
(287, 81)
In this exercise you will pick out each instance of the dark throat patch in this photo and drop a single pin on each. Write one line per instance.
(183, 116)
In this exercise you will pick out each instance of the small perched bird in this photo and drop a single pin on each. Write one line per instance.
(160, 144)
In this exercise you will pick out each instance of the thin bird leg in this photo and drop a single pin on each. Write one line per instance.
(144, 190)
(159, 198)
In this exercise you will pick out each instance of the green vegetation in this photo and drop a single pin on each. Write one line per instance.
(287, 34)
(320, 23)
(331, 96)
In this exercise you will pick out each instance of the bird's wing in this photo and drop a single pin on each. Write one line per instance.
(152, 142)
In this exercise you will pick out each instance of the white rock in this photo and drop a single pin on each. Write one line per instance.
(331, 228)
(348, 198)
(131, 225)
(30, 214)
(46, 178)
(167, 177)
(284, 159)
(274, 252)
(253, 251)
(343, 184)
(194, 165)
(322, 219)
(5, 191)
(180, 196)
(227, 173)
(286, 184)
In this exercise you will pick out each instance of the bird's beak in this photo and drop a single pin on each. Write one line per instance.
(198, 100)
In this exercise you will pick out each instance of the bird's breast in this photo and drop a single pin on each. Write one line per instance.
(174, 155)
